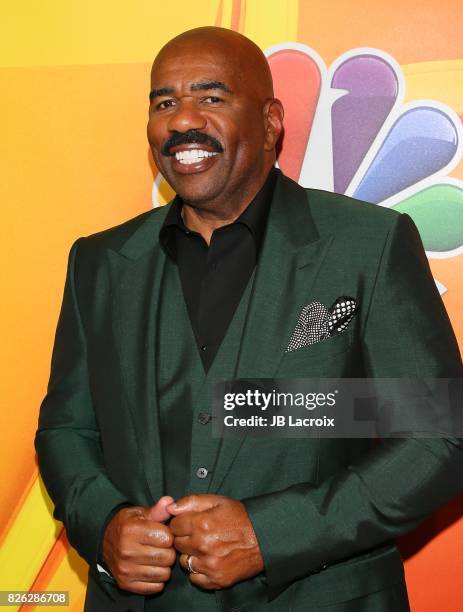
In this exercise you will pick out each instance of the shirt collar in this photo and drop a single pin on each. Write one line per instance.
(254, 216)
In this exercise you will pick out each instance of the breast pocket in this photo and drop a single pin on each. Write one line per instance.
(324, 358)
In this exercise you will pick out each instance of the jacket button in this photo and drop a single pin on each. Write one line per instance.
(202, 472)
(204, 418)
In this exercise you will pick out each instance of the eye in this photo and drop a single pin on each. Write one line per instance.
(165, 104)
(212, 100)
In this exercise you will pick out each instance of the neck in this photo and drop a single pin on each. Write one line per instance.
(206, 220)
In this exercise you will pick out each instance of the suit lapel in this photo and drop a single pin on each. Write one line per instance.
(291, 257)
(136, 270)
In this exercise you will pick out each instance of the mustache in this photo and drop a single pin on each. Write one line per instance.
(190, 137)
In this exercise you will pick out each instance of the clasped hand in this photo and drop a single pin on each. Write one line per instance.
(215, 531)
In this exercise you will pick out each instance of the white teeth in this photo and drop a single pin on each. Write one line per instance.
(192, 156)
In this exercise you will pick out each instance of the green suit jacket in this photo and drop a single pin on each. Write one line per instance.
(326, 511)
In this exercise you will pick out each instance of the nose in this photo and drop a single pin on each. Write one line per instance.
(186, 117)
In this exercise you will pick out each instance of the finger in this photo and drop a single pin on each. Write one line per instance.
(128, 573)
(148, 573)
(159, 511)
(153, 556)
(196, 563)
(153, 534)
(195, 503)
(185, 546)
(142, 587)
(198, 576)
(183, 525)
(203, 581)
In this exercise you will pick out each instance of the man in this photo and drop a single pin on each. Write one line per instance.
(211, 287)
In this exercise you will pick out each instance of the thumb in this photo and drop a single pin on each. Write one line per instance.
(195, 503)
(159, 512)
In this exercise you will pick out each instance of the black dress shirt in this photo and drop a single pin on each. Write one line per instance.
(214, 277)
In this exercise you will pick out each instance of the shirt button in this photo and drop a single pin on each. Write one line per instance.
(204, 418)
(202, 472)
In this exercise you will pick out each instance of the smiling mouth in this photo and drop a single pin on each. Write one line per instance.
(193, 156)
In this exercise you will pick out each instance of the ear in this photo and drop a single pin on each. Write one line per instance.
(273, 117)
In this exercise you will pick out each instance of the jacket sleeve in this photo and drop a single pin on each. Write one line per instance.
(67, 440)
(388, 491)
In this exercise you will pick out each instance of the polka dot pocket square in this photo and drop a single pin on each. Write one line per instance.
(316, 322)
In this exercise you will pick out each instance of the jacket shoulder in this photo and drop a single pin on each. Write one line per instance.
(334, 211)
(114, 237)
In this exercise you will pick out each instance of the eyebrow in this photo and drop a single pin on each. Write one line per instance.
(202, 86)
(161, 91)
(205, 85)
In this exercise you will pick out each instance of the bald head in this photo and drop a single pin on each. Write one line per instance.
(229, 48)
(213, 122)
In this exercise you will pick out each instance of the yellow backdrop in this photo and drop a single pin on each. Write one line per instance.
(74, 81)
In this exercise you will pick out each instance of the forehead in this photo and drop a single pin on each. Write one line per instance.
(184, 66)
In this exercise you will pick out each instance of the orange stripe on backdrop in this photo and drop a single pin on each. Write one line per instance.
(70, 574)
(219, 15)
(49, 568)
(63, 570)
(238, 11)
(52, 562)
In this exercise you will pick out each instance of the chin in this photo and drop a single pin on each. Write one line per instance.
(195, 194)
(197, 200)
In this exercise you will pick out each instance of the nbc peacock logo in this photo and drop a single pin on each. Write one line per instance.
(348, 130)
